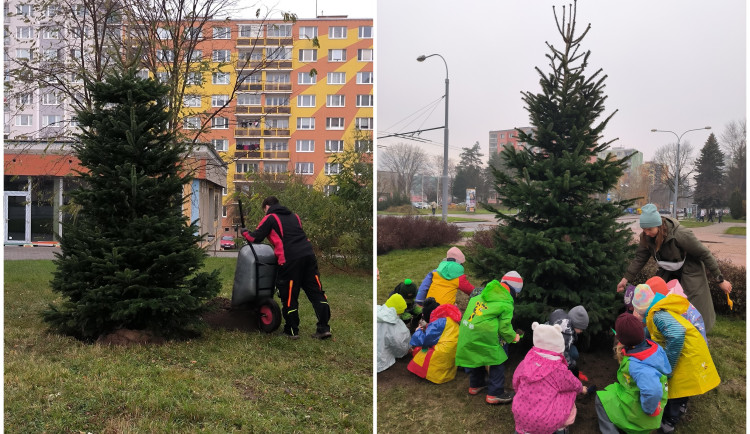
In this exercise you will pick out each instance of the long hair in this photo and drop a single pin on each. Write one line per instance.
(661, 235)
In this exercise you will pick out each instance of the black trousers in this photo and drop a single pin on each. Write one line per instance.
(302, 274)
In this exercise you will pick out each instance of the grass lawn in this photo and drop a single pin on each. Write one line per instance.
(736, 230)
(226, 381)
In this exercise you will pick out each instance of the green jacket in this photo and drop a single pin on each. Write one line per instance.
(680, 244)
(487, 316)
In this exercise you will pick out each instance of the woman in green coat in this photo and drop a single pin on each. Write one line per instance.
(679, 255)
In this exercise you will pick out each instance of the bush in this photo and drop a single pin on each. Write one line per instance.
(737, 205)
(396, 233)
(393, 201)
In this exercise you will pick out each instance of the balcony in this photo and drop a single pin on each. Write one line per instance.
(277, 110)
(262, 154)
(257, 132)
(283, 87)
(249, 42)
(248, 110)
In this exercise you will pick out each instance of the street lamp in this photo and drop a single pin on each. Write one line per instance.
(445, 138)
(677, 162)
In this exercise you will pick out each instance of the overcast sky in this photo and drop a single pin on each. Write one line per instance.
(306, 8)
(671, 65)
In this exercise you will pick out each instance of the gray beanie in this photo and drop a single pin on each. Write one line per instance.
(650, 217)
(579, 318)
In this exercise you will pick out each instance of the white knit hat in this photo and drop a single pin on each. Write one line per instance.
(514, 280)
(548, 337)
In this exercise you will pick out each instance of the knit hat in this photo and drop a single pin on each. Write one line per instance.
(658, 285)
(457, 254)
(397, 302)
(514, 280)
(674, 287)
(548, 337)
(429, 305)
(629, 330)
(650, 217)
(407, 289)
(579, 318)
(642, 298)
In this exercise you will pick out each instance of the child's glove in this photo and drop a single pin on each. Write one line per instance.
(657, 411)
(417, 309)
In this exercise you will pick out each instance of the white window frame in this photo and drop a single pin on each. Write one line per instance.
(305, 78)
(191, 123)
(365, 74)
(219, 100)
(277, 123)
(279, 53)
(305, 145)
(219, 123)
(253, 31)
(165, 55)
(194, 78)
(276, 145)
(51, 98)
(23, 53)
(337, 55)
(221, 33)
(305, 100)
(367, 122)
(305, 123)
(163, 34)
(278, 77)
(279, 31)
(337, 32)
(277, 101)
(245, 99)
(24, 32)
(53, 121)
(359, 144)
(24, 120)
(308, 32)
(222, 56)
(275, 167)
(24, 10)
(364, 54)
(365, 32)
(25, 98)
(332, 168)
(220, 145)
(191, 100)
(339, 74)
(304, 168)
(365, 100)
(335, 123)
(193, 33)
(336, 100)
(195, 56)
(308, 55)
(221, 78)
(51, 33)
(334, 146)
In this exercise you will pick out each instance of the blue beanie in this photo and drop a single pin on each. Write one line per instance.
(650, 217)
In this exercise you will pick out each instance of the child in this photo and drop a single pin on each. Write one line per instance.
(572, 324)
(435, 346)
(545, 389)
(693, 370)
(408, 290)
(659, 286)
(393, 336)
(635, 402)
(443, 282)
(488, 315)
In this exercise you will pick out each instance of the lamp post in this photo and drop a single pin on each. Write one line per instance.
(445, 138)
(677, 163)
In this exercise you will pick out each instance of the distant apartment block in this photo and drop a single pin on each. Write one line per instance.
(500, 138)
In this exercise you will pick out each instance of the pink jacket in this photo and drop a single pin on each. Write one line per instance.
(545, 392)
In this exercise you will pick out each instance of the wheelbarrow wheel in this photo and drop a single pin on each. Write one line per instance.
(269, 315)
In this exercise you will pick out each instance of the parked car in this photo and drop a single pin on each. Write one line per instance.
(421, 205)
(227, 242)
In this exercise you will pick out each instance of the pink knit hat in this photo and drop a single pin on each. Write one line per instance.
(674, 287)
(642, 298)
(457, 254)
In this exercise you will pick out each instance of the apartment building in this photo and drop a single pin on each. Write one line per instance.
(282, 97)
(500, 138)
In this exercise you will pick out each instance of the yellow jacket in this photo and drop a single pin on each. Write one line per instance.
(695, 372)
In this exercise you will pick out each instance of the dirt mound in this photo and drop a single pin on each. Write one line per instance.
(127, 337)
(221, 315)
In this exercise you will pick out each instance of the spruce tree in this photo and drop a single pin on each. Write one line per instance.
(130, 258)
(709, 180)
(564, 239)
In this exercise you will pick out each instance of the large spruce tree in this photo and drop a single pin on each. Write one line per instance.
(564, 239)
(129, 259)
(710, 189)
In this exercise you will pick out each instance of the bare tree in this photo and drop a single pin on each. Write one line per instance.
(666, 157)
(734, 143)
(405, 161)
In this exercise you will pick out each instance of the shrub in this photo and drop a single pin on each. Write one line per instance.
(393, 201)
(737, 205)
(396, 233)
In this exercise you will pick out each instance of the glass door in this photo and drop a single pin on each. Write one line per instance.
(17, 217)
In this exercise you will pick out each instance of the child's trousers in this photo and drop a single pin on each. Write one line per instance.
(496, 383)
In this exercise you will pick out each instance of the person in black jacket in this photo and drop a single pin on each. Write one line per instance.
(298, 266)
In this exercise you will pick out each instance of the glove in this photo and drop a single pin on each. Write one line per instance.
(657, 411)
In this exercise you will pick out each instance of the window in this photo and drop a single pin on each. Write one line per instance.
(51, 98)
(192, 33)
(337, 32)
(221, 56)
(363, 123)
(248, 99)
(194, 79)
(277, 100)
(365, 100)
(221, 78)
(50, 11)
(24, 32)
(308, 55)
(308, 32)
(165, 55)
(364, 55)
(142, 74)
(304, 168)
(278, 53)
(195, 56)
(163, 33)
(247, 167)
(334, 123)
(222, 33)
(224, 192)
(251, 31)
(255, 55)
(24, 10)
(365, 32)
(337, 55)
(335, 101)
(336, 78)
(23, 53)
(77, 31)
(248, 123)
(279, 30)
(332, 168)
(50, 54)
(24, 120)
(191, 100)
(306, 78)
(220, 123)
(363, 146)
(246, 77)
(305, 123)
(330, 189)
(76, 53)
(277, 123)
(274, 167)
(79, 10)
(334, 146)
(275, 145)
(502, 135)
(52, 121)
(51, 33)
(24, 98)
(219, 100)
(305, 145)
(364, 77)
(220, 144)
(305, 100)
(192, 123)
(277, 77)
